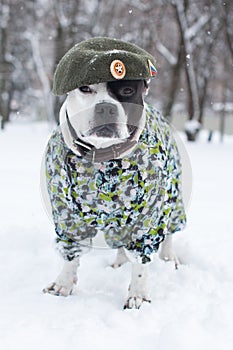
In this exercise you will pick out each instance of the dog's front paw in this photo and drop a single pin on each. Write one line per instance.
(58, 290)
(64, 283)
(135, 302)
(138, 289)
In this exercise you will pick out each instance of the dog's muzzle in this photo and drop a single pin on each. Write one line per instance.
(106, 118)
(107, 124)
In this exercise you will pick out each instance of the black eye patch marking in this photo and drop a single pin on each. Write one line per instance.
(130, 94)
(129, 91)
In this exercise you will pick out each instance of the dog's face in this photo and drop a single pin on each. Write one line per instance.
(107, 113)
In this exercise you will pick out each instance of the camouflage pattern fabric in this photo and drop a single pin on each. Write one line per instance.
(135, 200)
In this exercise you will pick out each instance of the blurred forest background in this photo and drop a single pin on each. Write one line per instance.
(192, 41)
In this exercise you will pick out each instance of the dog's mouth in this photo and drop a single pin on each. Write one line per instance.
(111, 130)
(107, 135)
(106, 131)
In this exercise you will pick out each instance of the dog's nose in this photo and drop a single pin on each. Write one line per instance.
(106, 118)
(106, 111)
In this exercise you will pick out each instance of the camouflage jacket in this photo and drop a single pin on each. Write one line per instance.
(135, 200)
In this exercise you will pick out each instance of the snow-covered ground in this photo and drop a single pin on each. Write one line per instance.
(192, 307)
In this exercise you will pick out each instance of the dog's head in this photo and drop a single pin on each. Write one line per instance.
(106, 81)
(107, 113)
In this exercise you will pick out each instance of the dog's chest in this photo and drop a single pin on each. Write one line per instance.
(114, 192)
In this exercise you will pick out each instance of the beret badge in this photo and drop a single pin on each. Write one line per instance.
(117, 69)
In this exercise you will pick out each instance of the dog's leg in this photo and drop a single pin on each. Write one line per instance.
(65, 281)
(138, 289)
(121, 258)
(167, 253)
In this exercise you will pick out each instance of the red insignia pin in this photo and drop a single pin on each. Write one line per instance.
(152, 69)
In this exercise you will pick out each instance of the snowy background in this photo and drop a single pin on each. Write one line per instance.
(192, 307)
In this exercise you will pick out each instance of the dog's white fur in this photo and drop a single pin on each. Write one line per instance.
(80, 108)
(138, 288)
(167, 253)
(83, 121)
(65, 281)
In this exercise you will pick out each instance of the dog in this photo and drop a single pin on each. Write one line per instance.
(113, 166)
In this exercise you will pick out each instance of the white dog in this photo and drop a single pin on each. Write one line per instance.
(113, 156)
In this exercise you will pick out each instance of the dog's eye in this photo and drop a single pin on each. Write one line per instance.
(85, 89)
(127, 91)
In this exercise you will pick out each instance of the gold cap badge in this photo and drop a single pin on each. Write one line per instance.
(117, 69)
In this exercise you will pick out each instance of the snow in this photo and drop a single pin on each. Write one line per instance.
(192, 307)
(192, 125)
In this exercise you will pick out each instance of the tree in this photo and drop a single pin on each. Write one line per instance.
(6, 65)
(191, 40)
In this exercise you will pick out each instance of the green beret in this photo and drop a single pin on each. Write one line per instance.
(99, 60)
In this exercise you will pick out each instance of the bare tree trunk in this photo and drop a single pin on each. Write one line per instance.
(5, 73)
(174, 62)
(173, 87)
(44, 80)
(223, 103)
(192, 127)
(59, 50)
(228, 26)
(64, 39)
(194, 105)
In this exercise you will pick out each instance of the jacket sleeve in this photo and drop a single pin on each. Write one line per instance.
(58, 185)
